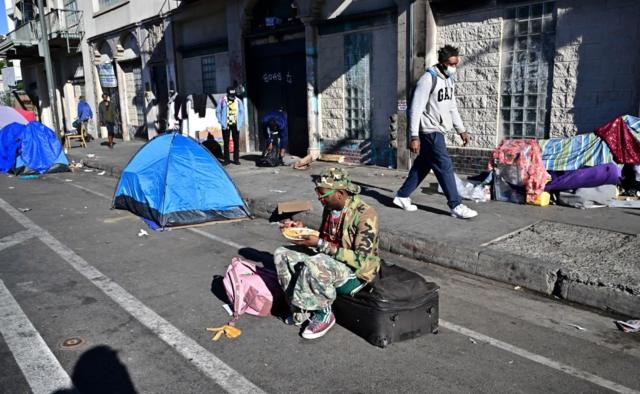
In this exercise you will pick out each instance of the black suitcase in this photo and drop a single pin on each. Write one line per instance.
(400, 305)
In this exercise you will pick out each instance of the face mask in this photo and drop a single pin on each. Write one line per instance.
(450, 71)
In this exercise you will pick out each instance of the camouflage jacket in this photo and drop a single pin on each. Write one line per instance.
(359, 246)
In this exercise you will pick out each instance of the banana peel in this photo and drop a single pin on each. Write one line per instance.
(230, 332)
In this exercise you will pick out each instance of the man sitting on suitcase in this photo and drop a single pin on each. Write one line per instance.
(345, 261)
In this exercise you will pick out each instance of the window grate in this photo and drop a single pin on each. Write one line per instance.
(357, 104)
(527, 60)
(208, 64)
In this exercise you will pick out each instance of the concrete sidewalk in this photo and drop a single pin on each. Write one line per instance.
(586, 256)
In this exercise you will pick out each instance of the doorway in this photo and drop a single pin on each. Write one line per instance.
(277, 80)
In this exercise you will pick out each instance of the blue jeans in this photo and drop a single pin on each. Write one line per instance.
(433, 156)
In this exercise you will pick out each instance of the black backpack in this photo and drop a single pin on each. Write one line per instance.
(269, 159)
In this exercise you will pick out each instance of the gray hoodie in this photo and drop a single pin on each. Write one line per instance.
(435, 112)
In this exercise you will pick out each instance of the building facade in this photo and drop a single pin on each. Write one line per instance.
(343, 70)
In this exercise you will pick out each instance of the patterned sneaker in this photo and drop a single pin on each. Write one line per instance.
(463, 212)
(405, 203)
(318, 328)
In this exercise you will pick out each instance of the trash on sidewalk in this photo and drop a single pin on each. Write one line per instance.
(517, 288)
(24, 209)
(11, 187)
(277, 191)
(577, 327)
(304, 163)
(294, 206)
(331, 158)
(68, 180)
(142, 233)
(473, 340)
(624, 202)
(628, 326)
(230, 332)
(91, 155)
(102, 172)
(74, 165)
(468, 191)
(88, 170)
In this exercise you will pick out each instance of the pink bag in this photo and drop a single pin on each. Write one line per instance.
(251, 289)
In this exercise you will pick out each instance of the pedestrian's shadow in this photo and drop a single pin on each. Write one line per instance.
(99, 370)
(371, 191)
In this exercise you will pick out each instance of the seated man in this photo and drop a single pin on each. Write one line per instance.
(345, 261)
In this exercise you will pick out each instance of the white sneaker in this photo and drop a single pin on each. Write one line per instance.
(463, 212)
(405, 203)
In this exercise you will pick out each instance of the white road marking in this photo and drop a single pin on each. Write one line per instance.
(15, 239)
(216, 238)
(41, 369)
(597, 380)
(484, 338)
(86, 189)
(222, 374)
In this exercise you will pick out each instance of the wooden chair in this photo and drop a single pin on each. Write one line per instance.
(78, 136)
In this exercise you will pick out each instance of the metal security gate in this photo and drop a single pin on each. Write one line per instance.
(134, 99)
(277, 80)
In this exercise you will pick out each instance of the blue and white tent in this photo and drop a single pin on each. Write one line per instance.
(174, 181)
(31, 149)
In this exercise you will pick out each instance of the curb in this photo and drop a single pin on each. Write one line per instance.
(534, 274)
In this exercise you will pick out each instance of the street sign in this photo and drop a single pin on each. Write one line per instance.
(107, 75)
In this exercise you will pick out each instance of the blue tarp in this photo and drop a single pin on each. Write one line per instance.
(174, 181)
(10, 139)
(37, 147)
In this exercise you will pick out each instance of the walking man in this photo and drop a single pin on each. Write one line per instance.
(230, 114)
(84, 115)
(433, 112)
(107, 115)
(345, 257)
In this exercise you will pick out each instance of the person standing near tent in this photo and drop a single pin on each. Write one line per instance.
(347, 257)
(84, 115)
(433, 112)
(230, 114)
(107, 115)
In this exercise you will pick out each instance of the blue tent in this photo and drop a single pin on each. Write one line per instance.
(174, 181)
(31, 149)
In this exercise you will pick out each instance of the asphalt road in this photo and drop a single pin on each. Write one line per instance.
(72, 268)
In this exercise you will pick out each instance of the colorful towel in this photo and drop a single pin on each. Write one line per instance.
(568, 154)
(526, 156)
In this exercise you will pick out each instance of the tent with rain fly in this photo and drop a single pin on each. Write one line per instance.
(10, 115)
(31, 149)
(174, 181)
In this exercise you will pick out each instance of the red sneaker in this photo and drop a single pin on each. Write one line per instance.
(318, 328)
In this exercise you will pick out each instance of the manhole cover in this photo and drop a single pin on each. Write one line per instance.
(72, 343)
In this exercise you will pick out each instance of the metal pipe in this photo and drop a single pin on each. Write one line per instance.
(48, 67)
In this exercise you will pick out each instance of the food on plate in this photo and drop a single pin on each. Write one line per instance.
(297, 233)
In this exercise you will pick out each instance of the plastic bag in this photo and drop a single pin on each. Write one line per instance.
(469, 191)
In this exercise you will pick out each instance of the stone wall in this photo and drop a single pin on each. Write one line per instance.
(478, 35)
(596, 74)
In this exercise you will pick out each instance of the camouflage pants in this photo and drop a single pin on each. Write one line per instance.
(310, 280)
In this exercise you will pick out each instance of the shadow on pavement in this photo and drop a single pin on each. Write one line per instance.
(99, 370)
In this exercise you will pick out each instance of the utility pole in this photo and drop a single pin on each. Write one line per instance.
(47, 66)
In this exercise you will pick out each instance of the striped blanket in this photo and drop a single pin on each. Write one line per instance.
(567, 154)
(634, 125)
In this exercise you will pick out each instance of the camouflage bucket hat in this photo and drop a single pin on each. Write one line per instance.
(337, 178)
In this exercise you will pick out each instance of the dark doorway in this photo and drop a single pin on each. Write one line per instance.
(277, 80)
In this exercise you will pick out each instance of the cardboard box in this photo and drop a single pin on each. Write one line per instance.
(294, 206)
